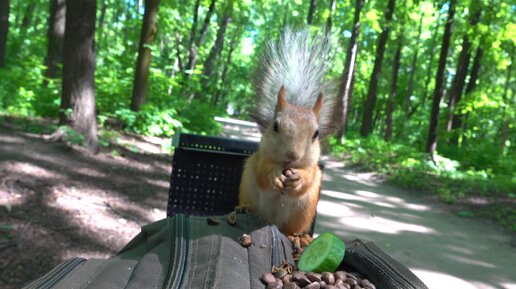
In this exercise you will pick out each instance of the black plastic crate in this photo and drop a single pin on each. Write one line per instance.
(206, 173)
(215, 144)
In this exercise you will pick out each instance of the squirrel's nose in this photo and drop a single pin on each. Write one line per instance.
(291, 157)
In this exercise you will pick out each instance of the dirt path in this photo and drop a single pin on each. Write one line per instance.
(442, 249)
(60, 202)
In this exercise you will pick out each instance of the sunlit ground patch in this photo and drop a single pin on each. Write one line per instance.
(349, 214)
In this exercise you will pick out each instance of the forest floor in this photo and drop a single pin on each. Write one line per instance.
(59, 201)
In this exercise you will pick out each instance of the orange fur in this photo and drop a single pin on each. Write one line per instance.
(281, 181)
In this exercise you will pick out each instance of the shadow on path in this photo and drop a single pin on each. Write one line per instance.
(61, 202)
(444, 250)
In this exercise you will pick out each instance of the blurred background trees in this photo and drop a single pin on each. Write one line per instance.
(433, 76)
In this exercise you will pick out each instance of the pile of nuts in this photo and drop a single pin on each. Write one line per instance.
(309, 280)
(285, 276)
(299, 243)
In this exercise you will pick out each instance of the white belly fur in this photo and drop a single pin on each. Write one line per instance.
(277, 208)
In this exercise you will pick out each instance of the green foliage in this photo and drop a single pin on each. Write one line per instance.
(411, 168)
(22, 90)
(172, 85)
(199, 118)
(505, 215)
(25, 91)
(485, 156)
(28, 124)
(72, 136)
(151, 120)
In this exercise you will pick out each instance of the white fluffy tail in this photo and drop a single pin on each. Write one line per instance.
(297, 61)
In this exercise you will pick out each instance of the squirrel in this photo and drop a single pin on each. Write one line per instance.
(294, 109)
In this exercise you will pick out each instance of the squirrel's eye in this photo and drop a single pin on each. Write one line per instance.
(316, 134)
(275, 127)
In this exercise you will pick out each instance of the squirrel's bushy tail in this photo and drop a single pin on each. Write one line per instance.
(297, 61)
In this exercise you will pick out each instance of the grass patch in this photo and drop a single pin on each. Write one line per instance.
(36, 125)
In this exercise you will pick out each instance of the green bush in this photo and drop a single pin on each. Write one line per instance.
(151, 120)
(448, 178)
(23, 90)
(477, 171)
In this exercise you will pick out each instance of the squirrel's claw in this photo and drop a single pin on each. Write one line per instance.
(293, 177)
(278, 180)
(291, 174)
(242, 209)
(286, 181)
(292, 181)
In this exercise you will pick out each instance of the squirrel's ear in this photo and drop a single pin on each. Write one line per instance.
(318, 105)
(282, 101)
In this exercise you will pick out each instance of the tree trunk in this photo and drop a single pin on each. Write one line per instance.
(215, 50)
(459, 80)
(457, 118)
(410, 86)
(79, 69)
(193, 33)
(178, 64)
(367, 117)
(4, 28)
(329, 21)
(206, 24)
(217, 46)
(144, 54)
(348, 76)
(475, 70)
(430, 61)
(173, 74)
(100, 25)
(193, 29)
(178, 52)
(426, 92)
(431, 52)
(311, 10)
(225, 70)
(505, 129)
(56, 32)
(392, 97)
(431, 144)
(457, 86)
(164, 52)
(27, 16)
(194, 50)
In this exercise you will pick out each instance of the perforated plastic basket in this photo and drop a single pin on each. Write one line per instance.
(206, 174)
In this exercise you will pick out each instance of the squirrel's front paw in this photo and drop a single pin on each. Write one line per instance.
(277, 179)
(293, 180)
